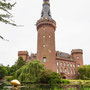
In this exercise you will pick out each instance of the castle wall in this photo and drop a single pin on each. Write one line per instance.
(67, 68)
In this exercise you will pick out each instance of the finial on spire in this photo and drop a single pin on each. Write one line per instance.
(46, 1)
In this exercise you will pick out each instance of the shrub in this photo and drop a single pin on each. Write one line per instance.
(3, 71)
(9, 78)
(64, 81)
(84, 72)
(49, 77)
(29, 72)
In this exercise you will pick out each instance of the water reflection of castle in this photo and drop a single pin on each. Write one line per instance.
(60, 62)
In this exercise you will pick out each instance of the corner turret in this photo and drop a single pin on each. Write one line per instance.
(24, 55)
(77, 55)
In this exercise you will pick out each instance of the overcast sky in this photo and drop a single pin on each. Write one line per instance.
(72, 32)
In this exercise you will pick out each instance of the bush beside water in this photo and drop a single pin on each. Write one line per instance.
(35, 72)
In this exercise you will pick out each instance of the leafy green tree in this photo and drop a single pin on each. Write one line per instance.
(30, 72)
(6, 7)
(6, 16)
(3, 71)
(49, 77)
(84, 72)
(20, 62)
(8, 70)
(13, 69)
(44, 76)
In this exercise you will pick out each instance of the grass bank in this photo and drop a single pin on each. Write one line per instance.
(82, 82)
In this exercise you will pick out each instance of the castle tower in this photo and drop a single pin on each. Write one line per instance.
(77, 55)
(24, 55)
(46, 38)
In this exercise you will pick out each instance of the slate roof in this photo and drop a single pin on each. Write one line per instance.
(62, 55)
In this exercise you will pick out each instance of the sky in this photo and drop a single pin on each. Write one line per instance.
(73, 28)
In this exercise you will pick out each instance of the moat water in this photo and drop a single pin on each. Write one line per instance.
(46, 87)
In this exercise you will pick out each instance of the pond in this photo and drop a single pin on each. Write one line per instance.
(45, 87)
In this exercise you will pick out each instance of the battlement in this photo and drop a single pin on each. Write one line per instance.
(45, 21)
(22, 52)
(75, 51)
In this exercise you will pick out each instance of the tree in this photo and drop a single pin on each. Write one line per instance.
(8, 69)
(84, 72)
(13, 69)
(6, 7)
(20, 62)
(3, 71)
(30, 72)
(5, 16)
(49, 77)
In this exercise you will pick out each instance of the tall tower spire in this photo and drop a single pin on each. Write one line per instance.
(46, 9)
(46, 26)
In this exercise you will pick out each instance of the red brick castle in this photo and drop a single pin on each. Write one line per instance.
(60, 62)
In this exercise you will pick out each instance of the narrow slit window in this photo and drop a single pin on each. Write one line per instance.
(43, 36)
(49, 36)
(44, 45)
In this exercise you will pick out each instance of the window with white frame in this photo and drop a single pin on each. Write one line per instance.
(74, 65)
(68, 64)
(44, 59)
(64, 64)
(57, 63)
(71, 64)
(71, 71)
(57, 70)
(61, 70)
(78, 65)
(61, 64)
